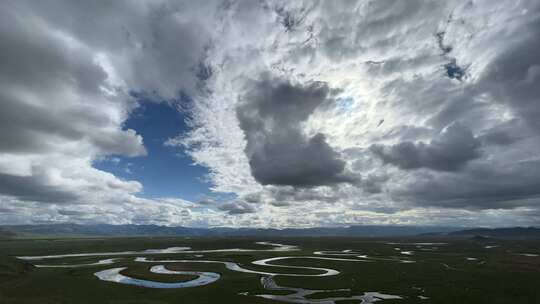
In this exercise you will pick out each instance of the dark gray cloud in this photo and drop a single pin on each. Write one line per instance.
(163, 38)
(454, 147)
(513, 76)
(505, 134)
(373, 183)
(282, 196)
(237, 207)
(279, 152)
(74, 213)
(34, 128)
(507, 177)
(483, 186)
(252, 198)
(34, 188)
(37, 70)
(206, 202)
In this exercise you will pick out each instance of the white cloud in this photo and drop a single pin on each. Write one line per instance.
(68, 69)
(66, 74)
(386, 64)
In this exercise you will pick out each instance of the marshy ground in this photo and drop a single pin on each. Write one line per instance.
(446, 270)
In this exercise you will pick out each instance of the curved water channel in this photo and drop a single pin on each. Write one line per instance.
(114, 275)
(265, 262)
(298, 295)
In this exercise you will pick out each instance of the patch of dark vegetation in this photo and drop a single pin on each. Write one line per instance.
(143, 273)
(4, 233)
(11, 267)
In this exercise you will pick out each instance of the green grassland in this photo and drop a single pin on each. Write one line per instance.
(443, 274)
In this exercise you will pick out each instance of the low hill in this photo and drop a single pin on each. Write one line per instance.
(503, 233)
(6, 233)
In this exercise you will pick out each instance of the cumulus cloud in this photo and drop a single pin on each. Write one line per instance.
(236, 207)
(67, 71)
(480, 187)
(59, 111)
(278, 151)
(432, 72)
(512, 78)
(450, 151)
(389, 112)
(34, 188)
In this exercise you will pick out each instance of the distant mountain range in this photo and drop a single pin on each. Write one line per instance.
(154, 230)
(351, 231)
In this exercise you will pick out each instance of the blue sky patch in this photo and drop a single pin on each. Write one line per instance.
(165, 171)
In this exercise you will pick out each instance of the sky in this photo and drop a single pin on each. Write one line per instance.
(270, 113)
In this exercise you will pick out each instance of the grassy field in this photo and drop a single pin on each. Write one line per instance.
(442, 273)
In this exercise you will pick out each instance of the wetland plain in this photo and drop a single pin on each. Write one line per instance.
(255, 270)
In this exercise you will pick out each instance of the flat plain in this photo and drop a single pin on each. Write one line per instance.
(341, 270)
